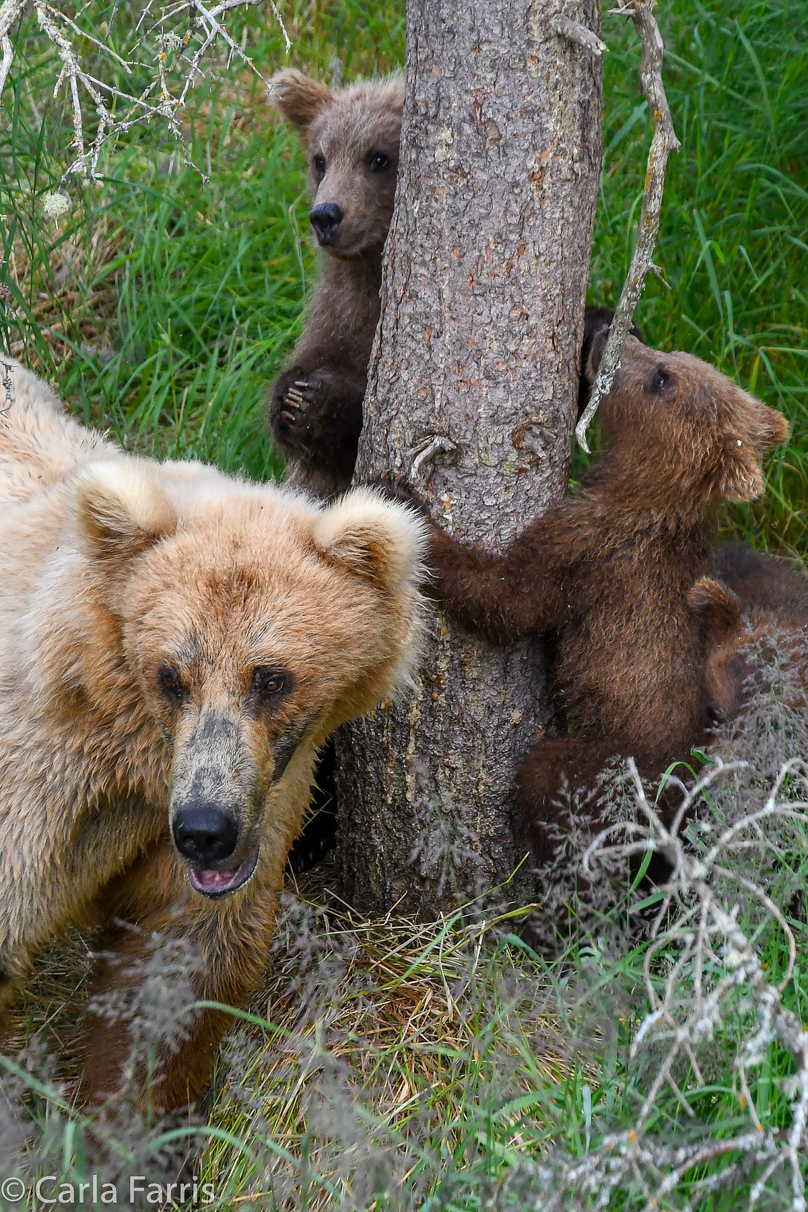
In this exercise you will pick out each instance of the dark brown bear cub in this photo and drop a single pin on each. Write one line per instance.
(609, 570)
(351, 138)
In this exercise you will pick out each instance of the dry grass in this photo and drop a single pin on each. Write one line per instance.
(373, 1037)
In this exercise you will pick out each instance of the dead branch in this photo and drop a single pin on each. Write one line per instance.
(164, 43)
(8, 57)
(663, 142)
(578, 33)
(700, 963)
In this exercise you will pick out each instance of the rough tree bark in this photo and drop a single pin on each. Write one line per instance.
(472, 395)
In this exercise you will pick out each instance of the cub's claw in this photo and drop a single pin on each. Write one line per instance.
(296, 393)
(299, 395)
(399, 488)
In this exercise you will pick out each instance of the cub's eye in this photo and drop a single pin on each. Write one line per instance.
(268, 683)
(661, 378)
(319, 163)
(170, 683)
(379, 162)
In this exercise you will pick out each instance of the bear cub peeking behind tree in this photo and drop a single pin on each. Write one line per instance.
(351, 137)
(753, 612)
(609, 570)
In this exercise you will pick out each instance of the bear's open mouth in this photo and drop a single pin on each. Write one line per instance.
(221, 883)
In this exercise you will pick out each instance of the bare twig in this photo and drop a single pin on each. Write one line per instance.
(7, 385)
(428, 450)
(663, 142)
(10, 11)
(164, 40)
(8, 57)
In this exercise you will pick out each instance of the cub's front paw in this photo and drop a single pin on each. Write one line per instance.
(400, 489)
(295, 402)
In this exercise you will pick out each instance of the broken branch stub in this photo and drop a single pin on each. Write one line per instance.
(663, 142)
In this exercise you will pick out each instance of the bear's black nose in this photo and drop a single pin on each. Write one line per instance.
(325, 219)
(204, 834)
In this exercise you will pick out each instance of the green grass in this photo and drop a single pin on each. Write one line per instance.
(733, 242)
(194, 291)
(161, 306)
(191, 291)
(388, 1067)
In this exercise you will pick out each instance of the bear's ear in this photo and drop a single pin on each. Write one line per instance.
(717, 609)
(298, 98)
(121, 508)
(378, 539)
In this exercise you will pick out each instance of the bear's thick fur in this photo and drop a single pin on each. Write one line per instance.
(176, 645)
(609, 568)
(753, 611)
(351, 137)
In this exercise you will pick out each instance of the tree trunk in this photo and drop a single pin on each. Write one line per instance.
(477, 348)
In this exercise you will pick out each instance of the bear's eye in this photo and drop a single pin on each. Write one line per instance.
(661, 378)
(170, 683)
(379, 162)
(269, 683)
(319, 163)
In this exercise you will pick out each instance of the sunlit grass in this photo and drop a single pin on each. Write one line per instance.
(733, 242)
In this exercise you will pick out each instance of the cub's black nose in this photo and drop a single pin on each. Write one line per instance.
(204, 834)
(325, 219)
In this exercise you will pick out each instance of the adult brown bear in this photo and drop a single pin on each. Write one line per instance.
(176, 645)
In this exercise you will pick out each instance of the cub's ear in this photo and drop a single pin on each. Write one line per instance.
(776, 427)
(375, 538)
(717, 609)
(121, 508)
(298, 98)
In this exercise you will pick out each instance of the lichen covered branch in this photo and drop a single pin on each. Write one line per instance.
(663, 142)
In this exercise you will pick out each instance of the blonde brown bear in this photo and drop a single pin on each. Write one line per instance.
(176, 643)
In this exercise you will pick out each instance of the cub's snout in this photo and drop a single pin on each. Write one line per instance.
(325, 219)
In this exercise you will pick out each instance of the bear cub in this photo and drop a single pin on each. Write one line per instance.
(753, 612)
(351, 136)
(608, 571)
